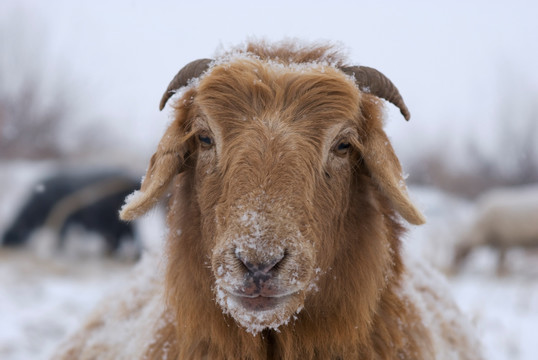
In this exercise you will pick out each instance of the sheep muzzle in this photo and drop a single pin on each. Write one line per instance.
(262, 272)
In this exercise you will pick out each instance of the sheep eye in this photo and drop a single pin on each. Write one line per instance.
(205, 140)
(342, 148)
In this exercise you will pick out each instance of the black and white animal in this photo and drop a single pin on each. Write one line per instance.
(90, 200)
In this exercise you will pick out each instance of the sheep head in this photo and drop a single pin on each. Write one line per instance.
(272, 152)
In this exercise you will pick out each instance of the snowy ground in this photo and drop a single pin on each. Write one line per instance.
(503, 309)
(43, 297)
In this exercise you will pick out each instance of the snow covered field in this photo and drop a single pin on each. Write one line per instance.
(45, 296)
(42, 299)
(458, 64)
(503, 309)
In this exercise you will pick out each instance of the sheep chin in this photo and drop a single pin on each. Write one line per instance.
(254, 321)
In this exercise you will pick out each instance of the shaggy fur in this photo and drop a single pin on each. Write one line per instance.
(282, 161)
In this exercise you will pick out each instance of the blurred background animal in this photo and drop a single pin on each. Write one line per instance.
(86, 199)
(506, 218)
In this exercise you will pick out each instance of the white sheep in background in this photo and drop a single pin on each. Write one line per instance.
(505, 219)
(285, 225)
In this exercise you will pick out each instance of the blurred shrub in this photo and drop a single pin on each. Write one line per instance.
(29, 129)
(513, 162)
(33, 99)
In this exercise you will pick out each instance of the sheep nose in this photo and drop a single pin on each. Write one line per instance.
(260, 269)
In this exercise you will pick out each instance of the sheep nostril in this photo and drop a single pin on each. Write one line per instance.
(261, 267)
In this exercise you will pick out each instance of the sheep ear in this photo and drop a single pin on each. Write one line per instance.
(386, 171)
(168, 161)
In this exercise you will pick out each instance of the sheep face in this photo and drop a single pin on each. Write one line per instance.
(272, 177)
(270, 154)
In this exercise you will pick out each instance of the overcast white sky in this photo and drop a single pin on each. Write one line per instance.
(454, 62)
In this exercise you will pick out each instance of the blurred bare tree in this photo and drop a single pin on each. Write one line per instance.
(33, 104)
(28, 129)
(514, 160)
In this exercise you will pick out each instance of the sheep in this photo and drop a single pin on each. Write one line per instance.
(506, 218)
(90, 199)
(284, 224)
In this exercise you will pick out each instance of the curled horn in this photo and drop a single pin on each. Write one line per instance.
(190, 71)
(374, 82)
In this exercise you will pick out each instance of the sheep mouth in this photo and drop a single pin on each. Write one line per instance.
(256, 312)
(259, 302)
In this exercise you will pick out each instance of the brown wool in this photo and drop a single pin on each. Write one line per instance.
(276, 157)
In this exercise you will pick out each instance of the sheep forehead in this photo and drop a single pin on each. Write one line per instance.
(267, 100)
(278, 73)
(269, 141)
(273, 129)
(248, 88)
